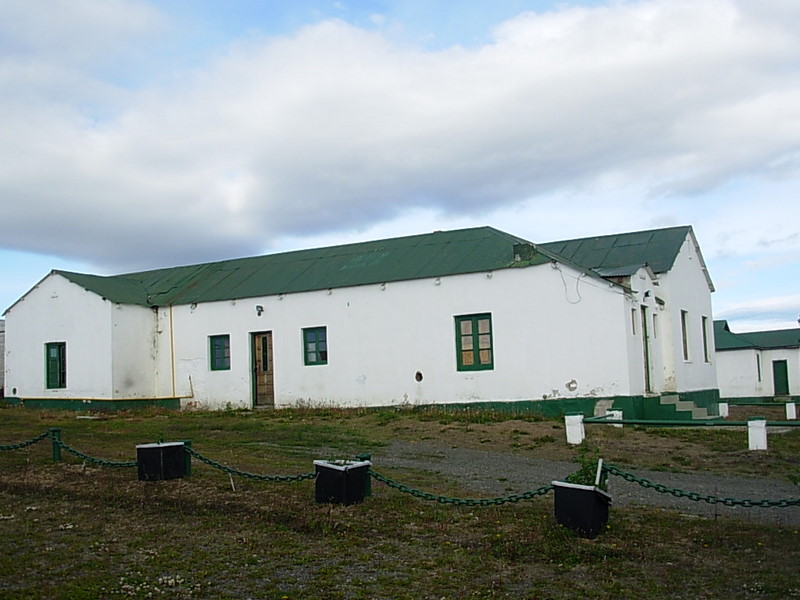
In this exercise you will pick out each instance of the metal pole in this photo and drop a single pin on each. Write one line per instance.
(55, 435)
(187, 458)
(368, 481)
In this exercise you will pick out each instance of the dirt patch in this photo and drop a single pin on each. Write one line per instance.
(490, 473)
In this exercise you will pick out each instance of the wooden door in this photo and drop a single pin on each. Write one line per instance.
(263, 375)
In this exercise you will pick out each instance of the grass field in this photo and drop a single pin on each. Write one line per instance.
(74, 530)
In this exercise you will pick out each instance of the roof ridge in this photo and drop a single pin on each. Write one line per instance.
(623, 233)
(761, 340)
(314, 249)
(621, 254)
(399, 258)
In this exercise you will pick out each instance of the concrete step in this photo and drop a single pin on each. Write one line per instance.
(684, 406)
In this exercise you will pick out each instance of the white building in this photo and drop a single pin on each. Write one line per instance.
(467, 316)
(758, 365)
(2, 356)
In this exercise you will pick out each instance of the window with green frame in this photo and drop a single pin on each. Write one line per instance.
(315, 346)
(219, 357)
(474, 346)
(56, 364)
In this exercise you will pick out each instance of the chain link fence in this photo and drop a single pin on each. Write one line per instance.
(460, 501)
(697, 497)
(54, 434)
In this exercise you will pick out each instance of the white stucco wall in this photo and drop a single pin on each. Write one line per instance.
(645, 289)
(56, 310)
(135, 351)
(685, 287)
(737, 374)
(2, 353)
(554, 335)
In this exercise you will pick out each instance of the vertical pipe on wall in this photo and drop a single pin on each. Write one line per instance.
(172, 351)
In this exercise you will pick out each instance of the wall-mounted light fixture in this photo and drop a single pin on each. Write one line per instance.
(259, 309)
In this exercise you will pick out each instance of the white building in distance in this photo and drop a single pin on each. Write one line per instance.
(758, 365)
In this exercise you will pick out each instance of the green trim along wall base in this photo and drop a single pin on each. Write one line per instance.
(93, 405)
(632, 407)
(758, 400)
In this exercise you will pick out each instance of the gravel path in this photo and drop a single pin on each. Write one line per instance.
(491, 474)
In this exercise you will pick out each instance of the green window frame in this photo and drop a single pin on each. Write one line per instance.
(474, 343)
(685, 334)
(219, 352)
(55, 354)
(315, 346)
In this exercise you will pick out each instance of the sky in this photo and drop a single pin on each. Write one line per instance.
(143, 134)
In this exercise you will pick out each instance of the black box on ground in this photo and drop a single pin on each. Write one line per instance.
(341, 481)
(160, 461)
(582, 508)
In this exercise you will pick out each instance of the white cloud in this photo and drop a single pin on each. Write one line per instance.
(74, 32)
(764, 314)
(334, 128)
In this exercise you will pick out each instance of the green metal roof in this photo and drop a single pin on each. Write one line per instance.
(725, 339)
(117, 288)
(413, 257)
(435, 254)
(780, 338)
(624, 253)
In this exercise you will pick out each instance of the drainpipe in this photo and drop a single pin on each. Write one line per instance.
(172, 350)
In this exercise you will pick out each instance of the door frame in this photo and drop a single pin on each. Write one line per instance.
(254, 368)
(784, 377)
(648, 376)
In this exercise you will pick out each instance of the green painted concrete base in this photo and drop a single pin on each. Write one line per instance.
(757, 400)
(93, 405)
(633, 407)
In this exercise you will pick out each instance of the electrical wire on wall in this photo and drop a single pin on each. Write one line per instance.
(556, 266)
(578, 279)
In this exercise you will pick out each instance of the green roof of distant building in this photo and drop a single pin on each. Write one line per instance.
(725, 339)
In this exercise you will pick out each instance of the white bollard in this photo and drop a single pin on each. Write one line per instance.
(614, 415)
(757, 434)
(723, 410)
(575, 431)
(791, 411)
